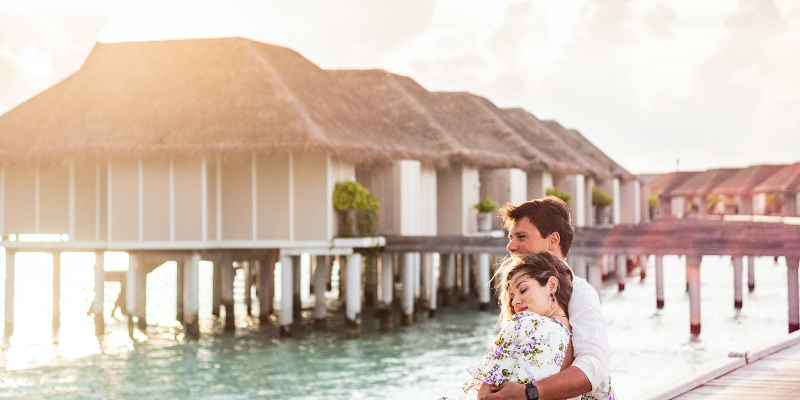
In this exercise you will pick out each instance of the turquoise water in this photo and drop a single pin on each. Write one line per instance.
(426, 360)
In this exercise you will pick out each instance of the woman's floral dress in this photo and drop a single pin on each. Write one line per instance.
(530, 347)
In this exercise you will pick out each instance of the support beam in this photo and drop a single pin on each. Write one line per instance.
(56, 289)
(216, 287)
(793, 297)
(659, 282)
(9, 293)
(285, 318)
(370, 279)
(483, 281)
(622, 271)
(408, 289)
(693, 278)
(425, 269)
(342, 279)
(99, 293)
(320, 276)
(448, 278)
(297, 300)
(227, 274)
(386, 291)
(417, 284)
(266, 287)
(751, 273)
(737, 282)
(191, 295)
(248, 287)
(135, 282)
(353, 310)
(433, 277)
(180, 268)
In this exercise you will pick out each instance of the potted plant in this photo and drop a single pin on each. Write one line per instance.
(356, 209)
(486, 208)
(565, 197)
(601, 202)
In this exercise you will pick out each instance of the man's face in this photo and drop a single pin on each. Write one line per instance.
(524, 238)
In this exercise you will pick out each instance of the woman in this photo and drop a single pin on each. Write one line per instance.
(534, 341)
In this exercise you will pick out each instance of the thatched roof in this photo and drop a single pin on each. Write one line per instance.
(234, 95)
(743, 182)
(559, 158)
(787, 179)
(666, 183)
(704, 183)
(604, 166)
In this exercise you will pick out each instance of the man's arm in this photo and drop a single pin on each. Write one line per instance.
(571, 382)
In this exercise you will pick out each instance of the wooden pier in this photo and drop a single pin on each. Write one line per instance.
(771, 371)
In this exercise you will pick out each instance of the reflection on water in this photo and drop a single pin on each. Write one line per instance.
(427, 360)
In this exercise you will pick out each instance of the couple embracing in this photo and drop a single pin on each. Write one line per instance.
(553, 342)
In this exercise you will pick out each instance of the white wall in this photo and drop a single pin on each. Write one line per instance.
(575, 185)
(678, 206)
(538, 183)
(589, 186)
(630, 208)
(616, 207)
(428, 201)
(458, 190)
(410, 197)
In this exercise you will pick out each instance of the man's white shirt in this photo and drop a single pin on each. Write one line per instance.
(589, 337)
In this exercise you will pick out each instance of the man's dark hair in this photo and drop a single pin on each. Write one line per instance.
(549, 214)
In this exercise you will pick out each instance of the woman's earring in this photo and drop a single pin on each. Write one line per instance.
(552, 301)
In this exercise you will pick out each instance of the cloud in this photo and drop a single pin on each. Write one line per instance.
(658, 20)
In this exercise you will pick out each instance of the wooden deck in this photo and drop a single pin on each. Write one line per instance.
(768, 372)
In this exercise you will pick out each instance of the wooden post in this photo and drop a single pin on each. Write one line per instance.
(9, 293)
(248, 287)
(417, 284)
(693, 276)
(737, 282)
(483, 281)
(297, 303)
(386, 291)
(285, 318)
(433, 278)
(596, 273)
(266, 287)
(191, 295)
(56, 289)
(179, 289)
(408, 289)
(226, 280)
(216, 287)
(466, 264)
(794, 297)
(622, 271)
(448, 278)
(659, 281)
(99, 292)
(751, 273)
(136, 289)
(687, 274)
(370, 279)
(353, 310)
(343, 280)
(642, 268)
(320, 273)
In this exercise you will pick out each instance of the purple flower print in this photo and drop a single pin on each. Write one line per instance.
(498, 351)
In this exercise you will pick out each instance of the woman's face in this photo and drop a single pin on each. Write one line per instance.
(528, 295)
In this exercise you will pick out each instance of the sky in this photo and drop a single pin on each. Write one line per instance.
(657, 85)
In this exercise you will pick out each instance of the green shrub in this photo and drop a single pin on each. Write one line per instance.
(363, 220)
(654, 203)
(486, 205)
(565, 197)
(600, 198)
(773, 204)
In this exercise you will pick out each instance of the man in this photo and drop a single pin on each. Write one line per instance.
(544, 225)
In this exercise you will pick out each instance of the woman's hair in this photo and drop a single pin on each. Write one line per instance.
(540, 267)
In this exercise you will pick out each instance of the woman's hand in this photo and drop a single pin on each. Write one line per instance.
(504, 391)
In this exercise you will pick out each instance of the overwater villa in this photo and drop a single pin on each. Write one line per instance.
(780, 193)
(229, 150)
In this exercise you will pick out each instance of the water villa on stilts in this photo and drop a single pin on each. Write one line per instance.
(228, 150)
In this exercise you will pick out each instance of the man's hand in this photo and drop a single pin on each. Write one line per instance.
(506, 391)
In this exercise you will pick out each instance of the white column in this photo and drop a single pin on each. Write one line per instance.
(693, 277)
(425, 283)
(616, 205)
(9, 293)
(417, 282)
(285, 317)
(56, 289)
(622, 271)
(737, 282)
(483, 281)
(135, 287)
(435, 261)
(227, 274)
(659, 281)
(751, 273)
(191, 295)
(580, 201)
(794, 297)
(353, 310)
(408, 289)
(387, 291)
(99, 292)
(320, 274)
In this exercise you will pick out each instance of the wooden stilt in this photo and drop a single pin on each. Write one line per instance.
(227, 275)
(370, 279)
(248, 287)
(793, 295)
(266, 287)
(56, 289)
(642, 268)
(386, 291)
(320, 273)
(353, 311)
(417, 284)
(408, 289)
(179, 269)
(191, 298)
(216, 287)
(751, 273)
(659, 282)
(343, 280)
(622, 271)
(135, 282)
(483, 281)
(448, 278)
(297, 303)
(433, 278)
(99, 292)
(737, 282)
(466, 266)
(285, 318)
(693, 277)
(9, 294)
